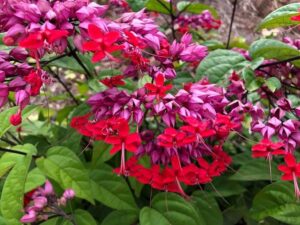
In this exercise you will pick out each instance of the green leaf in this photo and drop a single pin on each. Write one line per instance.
(149, 216)
(195, 8)
(278, 201)
(207, 207)
(273, 83)
(144, 80)
(120, 218)
(224, 187)
(218, 64)
(273, 49)
(257, 169)
(34, 179)
(13, 192)
(176, 210)
(63, 166)
(100, 153)
(161, 6)
(110, 189)
(5, 115)
(137, 5)
(8, 160)
(82, 217)
(281, 17)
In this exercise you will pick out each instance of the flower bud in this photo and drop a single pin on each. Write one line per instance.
(19, 54)
(29, 218)
(22, 99)
(69, 194)
(40, 202)
(15, 119)
(48, 189)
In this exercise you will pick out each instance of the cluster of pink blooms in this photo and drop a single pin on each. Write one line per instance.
(204, 20)
(42, 203)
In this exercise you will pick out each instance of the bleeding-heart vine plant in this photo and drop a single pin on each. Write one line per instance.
(137, 113)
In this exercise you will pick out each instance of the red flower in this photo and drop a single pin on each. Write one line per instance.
(123, 140)
(158, 88)
(291, 171)
(173, 138)
(296, 18)
(113, 81)
(198, 128)
(192, 175)
(132, 39)
(265, 148)
(102, 44)
(223, 125)
(35, 81)
(36, 40)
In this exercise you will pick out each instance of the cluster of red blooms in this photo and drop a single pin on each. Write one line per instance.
(115, 131)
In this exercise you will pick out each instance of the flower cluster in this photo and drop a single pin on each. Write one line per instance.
(42, 203)
(204, 20)
(173, 145)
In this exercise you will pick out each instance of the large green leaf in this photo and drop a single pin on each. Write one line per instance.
(161, 6)
(195, 7)
(110, 189)
(218, 64)
(63, 166)
(13, 192)
(273, 83)
(8, 160)
(207, 207)
(176, 210)
(257, 169)
(281, 17)
(273, 49)
(149, 216)
(34, 179)
(5, 115)
(277, 200)
(120, 218)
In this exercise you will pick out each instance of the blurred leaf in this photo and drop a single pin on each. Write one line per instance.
(218, 64)
(108, 73)
(176, 210)
(273, 49)
(81, 217)
(13, 192)
(224, 187)
(137, 5)
(277, 200)
(144, 80)
(256, 169)
(149, 216)
(71, 64)
(161, 6)
(5, 115)
(196, 8)
(120, 218)
(96, 85)
(281, 17)
(273, 83)
(63, 166)
(213, 44)
(110, 189)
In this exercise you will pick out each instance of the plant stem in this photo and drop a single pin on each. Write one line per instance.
(16, 152)
(76, 57)
(64, 85)
(278, 62)
(231, 23)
